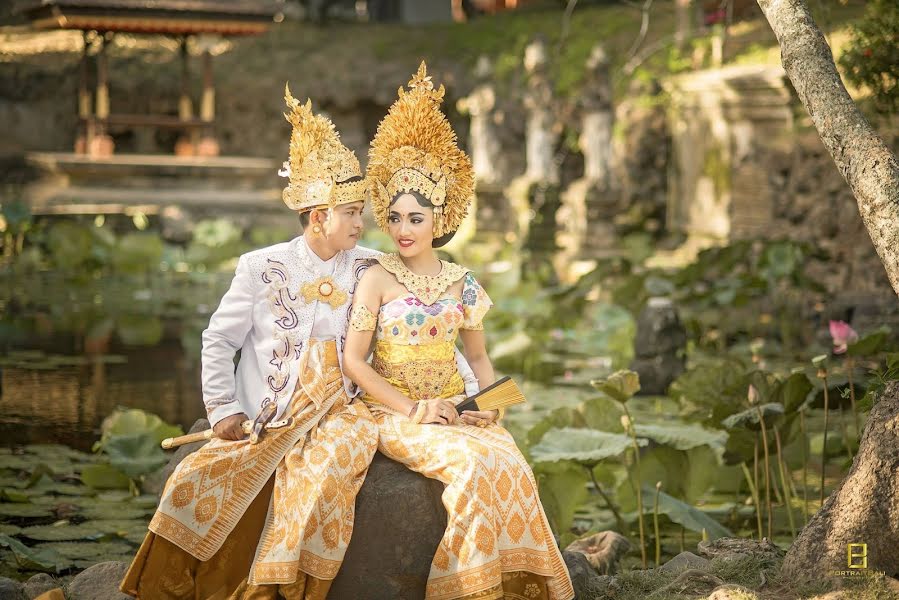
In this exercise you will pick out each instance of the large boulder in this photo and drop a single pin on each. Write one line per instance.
(658, 346)
(12, 589)
(98, 582)
(400, 520)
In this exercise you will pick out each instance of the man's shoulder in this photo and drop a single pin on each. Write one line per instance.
(274, 252)
(361, 252)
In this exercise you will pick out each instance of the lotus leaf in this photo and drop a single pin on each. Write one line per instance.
(135, 454)
(35, 559)
(104, 477)
(63, 531)
(136, 252)
(27, 511)
(116, 511)
(869, 344)
(13, 495)
(89, 550)
(7, 529)
(682, 513)
(134, 420)
(620, 385)
(749, 418)
(586, 446)
(563, 487)
(682, 436)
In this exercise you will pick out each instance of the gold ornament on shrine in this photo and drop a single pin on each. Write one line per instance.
(415, 148)
(323, 173)
(324, 289)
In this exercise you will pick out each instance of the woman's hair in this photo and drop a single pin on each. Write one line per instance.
(439, 242)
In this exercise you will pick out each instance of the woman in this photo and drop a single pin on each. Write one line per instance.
(497, 543)
(243, 521)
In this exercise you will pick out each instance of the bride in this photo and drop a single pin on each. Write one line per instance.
(412, 306)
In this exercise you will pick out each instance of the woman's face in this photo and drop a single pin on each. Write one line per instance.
(411, 226)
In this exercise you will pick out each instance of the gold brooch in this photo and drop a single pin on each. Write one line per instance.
(323, 289)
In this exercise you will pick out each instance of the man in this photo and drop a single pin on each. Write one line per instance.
(244, 520)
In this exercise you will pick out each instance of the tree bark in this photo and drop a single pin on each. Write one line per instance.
(862, 157)
(862, 510)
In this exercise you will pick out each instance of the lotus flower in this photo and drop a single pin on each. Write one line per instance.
(842, 335)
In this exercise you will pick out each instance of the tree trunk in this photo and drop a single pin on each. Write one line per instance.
(683, 22)
(863, 510)
(862, 157)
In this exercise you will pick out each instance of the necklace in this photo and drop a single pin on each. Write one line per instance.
(323, 289)
(427, 288)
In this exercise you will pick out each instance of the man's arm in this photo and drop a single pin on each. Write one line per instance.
(228, 328)
(468, 376)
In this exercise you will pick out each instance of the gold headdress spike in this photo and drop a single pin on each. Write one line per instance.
(416, 149)
(320, 167)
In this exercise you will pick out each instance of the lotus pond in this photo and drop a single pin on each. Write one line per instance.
(100, 343)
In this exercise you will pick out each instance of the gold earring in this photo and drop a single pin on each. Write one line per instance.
(316, 230)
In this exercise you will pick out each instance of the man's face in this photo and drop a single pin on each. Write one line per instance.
(345, 226)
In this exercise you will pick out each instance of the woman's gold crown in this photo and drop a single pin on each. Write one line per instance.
(415, 148)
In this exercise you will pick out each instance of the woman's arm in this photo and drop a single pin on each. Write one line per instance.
(474, 343)
(358, 342)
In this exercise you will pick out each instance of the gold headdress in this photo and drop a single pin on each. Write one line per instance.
(416, 149)
(320, 166)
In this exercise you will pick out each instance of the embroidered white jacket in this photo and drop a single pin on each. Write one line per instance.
(263, 315)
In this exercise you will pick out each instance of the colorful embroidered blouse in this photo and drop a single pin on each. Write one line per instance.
(415, 340)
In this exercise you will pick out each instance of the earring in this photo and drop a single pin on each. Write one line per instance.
(316, 230)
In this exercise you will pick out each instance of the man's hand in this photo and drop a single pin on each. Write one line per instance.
(229, 428)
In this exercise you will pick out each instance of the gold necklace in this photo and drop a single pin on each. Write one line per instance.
(427, 288)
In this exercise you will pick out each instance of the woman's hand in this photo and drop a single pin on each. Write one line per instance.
(441, 411)
(479, 418)
(229, 428)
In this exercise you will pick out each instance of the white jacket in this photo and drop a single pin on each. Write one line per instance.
(263, 316)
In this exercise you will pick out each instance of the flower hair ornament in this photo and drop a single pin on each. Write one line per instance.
(415, 149)
(322, 172)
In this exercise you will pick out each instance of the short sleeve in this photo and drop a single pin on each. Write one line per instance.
(475, 303)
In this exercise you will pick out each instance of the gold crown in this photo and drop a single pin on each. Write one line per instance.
(416, 149)
(320, 166)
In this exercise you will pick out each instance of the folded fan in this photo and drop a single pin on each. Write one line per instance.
(502, 393)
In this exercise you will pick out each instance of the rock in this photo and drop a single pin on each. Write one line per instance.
(659, 330)
(731, 548)
(99, 582)
(154, 482)
(684, 561)
(657, 372)
(404, 510)
(587, 584)
(691, 582)
(39, 584)
(602, 550)
(658, 346)
(732, 592)
(11, 589)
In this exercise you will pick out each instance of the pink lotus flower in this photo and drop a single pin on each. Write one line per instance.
(842, 335)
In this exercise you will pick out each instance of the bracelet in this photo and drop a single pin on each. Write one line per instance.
(420, 409)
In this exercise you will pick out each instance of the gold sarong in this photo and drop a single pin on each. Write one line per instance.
(497, 542)
(242, 521)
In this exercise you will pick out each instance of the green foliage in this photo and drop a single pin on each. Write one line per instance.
(583, 446)
(620, 386)
(45, 560)
(871, 59)
(130, 442)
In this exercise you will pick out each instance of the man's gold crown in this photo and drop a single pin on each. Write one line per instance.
(322, 171)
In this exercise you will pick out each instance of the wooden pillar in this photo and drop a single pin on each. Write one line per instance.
(85, 123)
(101, 143)
(185, 146)
(208, 146)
